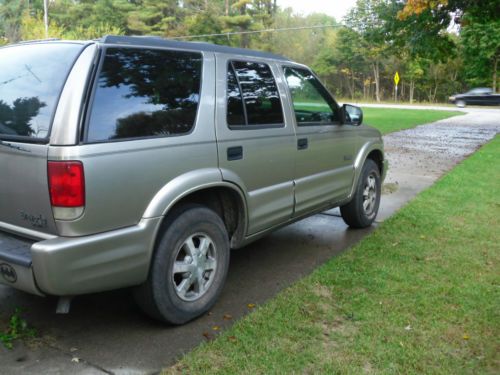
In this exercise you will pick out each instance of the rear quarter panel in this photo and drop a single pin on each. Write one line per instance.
(123, 177)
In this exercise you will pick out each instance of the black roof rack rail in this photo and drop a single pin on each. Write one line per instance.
(154, 41)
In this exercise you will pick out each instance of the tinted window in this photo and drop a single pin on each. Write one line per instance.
(144, 93)
(480, 91)
(235, 111)
(31, 80)
(311, 102)
(259, 91)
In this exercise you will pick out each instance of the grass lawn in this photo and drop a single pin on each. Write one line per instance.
(389, 120)
(418, 295)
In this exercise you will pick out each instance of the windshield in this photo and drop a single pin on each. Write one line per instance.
(31, 79)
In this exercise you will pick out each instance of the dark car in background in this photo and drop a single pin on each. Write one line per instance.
(478, 96)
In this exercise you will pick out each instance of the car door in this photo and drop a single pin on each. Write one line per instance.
(256, 142)
(324, 161)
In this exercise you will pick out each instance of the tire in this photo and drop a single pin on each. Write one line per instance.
(367, 193)
(183, 283)
(461, 103)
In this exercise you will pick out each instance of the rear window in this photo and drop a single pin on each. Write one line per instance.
(145, 93)
(31, 79)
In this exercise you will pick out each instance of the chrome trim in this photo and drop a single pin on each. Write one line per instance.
(25, 232)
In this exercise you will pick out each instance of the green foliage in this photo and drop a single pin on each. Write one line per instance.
(357, 61)
(17, 329)
(32, 28)
(481, 46)
(153, 17)
(419, 295)
(11, 12)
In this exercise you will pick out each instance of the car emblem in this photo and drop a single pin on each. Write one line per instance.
(8, 273)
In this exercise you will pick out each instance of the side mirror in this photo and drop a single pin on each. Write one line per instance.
(352, 115)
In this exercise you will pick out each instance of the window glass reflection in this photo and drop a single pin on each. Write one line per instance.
(144, 93)
(31, 80)
(235, 114)
(311, 101)
(260, 93)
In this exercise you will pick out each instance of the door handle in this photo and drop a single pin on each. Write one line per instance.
(302, 144)
(235, 153)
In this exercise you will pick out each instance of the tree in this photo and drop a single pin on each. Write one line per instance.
(154, 17)
(11, 12)
(480, 32)
(481, 46)
(365, 19)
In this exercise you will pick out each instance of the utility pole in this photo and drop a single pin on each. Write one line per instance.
(46, 17)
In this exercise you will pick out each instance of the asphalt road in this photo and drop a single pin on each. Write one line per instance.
(106, 333)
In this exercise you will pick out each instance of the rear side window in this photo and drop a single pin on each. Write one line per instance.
(31, 79)
(145, 93)
(252, 95)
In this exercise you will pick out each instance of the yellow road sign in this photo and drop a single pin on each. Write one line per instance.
(396, 78)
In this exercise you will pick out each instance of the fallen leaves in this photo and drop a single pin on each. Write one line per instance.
(208, 336)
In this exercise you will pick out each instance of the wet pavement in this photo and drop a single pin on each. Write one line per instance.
(106, 333)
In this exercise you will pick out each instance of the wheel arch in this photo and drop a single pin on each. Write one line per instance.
(204, 187)
(373, 150)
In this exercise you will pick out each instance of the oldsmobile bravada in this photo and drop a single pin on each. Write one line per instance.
(140, 162)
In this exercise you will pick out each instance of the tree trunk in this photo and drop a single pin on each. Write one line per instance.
(376, 76)
(352, 83)
(495, 67)
(412, 90)
(227, 7)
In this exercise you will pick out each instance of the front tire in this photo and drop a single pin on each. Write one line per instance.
(362, 210)
(461, 103)
(189, 267)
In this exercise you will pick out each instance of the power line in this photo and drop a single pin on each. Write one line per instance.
(256, 31)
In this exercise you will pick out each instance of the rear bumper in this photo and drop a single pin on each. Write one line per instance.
(64, 266)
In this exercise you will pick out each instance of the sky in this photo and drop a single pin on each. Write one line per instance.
(335, 8)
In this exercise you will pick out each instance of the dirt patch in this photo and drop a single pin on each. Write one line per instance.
(390, 187)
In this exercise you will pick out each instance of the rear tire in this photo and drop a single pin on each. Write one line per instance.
(188, 268)
(362, 210)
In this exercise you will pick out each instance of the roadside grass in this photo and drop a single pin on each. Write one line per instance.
(361, 101)
(389, 120)
(420, 294)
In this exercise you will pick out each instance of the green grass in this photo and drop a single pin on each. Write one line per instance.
(389, 120)
(16, 329)
(420, 295)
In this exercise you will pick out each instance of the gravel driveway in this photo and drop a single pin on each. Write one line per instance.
(106, 333)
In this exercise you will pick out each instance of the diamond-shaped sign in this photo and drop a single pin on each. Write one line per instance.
(396, 78)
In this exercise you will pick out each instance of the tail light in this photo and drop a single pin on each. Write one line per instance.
(66, 188)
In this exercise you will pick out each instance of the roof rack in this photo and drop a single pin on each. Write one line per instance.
(155, 41)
